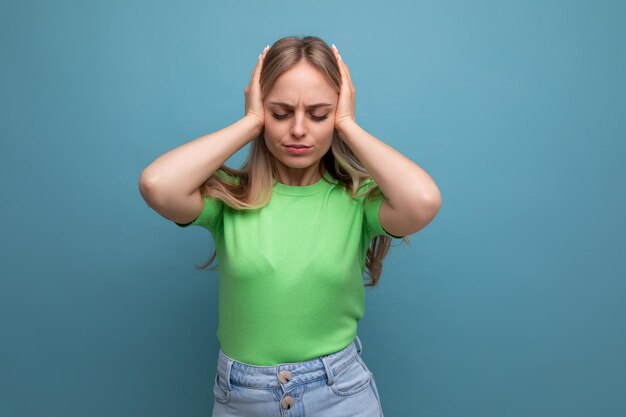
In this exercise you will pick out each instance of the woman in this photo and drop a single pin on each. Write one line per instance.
(317, 201)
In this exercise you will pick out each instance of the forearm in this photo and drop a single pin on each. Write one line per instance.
(185, 168)
(407, 186)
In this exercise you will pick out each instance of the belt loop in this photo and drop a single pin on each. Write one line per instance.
(359, 345)
(229, 366)
(329, 371)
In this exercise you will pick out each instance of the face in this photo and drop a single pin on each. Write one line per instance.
(291, 119)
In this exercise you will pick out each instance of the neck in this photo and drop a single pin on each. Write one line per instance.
(297, 176)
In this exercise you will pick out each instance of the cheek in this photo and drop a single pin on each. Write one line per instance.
(269, 139)
(271, 131)
(275, 128)
(328, 130)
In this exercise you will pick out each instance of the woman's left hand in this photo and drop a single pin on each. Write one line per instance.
(345, 105)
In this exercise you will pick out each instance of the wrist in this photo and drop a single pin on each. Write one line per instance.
(345, 126)
(254, 124)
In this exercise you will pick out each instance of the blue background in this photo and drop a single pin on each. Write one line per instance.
(510, 303)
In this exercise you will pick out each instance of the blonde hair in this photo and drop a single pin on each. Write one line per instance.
(253, 183)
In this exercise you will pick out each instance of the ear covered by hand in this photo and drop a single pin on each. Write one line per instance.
(252, 92)
(346, 103)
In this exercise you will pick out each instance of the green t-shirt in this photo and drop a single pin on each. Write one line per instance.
(291, 273)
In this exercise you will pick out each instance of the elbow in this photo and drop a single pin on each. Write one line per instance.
(433, 205)
(434, 202)
(427, 210)
(147, 185)
(431, 200)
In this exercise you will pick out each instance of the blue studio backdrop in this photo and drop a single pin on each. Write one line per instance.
(509, 304)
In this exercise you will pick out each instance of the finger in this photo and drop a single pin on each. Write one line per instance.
(259, 63)
(347, 71)
(256, 74)
(344, 80)
(343, 69)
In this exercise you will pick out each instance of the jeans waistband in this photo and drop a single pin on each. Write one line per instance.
(253, 376)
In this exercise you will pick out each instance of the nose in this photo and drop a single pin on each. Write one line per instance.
(298, 128)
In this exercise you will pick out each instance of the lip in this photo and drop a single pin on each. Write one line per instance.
(297, 151)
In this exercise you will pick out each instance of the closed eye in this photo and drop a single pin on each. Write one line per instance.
(284, 116)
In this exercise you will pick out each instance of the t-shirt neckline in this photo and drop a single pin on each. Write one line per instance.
(316, 187)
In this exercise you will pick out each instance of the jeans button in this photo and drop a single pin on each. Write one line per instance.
(284, 377)
(286, 402)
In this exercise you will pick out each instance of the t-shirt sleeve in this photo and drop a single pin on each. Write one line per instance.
(371, 211)
(212, 213)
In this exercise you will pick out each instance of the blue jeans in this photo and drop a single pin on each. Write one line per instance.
(335, 385)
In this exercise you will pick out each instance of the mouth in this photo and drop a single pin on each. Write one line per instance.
(297, 149)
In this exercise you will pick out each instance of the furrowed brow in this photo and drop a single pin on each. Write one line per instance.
(289, 106)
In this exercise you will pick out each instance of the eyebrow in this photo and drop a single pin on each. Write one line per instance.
(312, 106)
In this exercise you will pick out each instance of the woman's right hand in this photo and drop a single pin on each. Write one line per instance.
(254, 103)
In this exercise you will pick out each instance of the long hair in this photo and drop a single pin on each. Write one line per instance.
(253, 181)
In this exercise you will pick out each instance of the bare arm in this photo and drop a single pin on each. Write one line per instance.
(170, 184)
(412, 197)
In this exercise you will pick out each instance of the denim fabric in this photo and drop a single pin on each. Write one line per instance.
(335, 385)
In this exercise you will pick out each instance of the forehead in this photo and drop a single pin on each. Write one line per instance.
(302, 84)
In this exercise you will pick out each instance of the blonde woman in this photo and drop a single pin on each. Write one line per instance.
(314, 207)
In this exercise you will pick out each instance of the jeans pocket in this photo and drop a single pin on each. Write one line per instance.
(352, 379)
(220, 390)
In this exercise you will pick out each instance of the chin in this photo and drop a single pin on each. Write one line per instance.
(300, 163)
